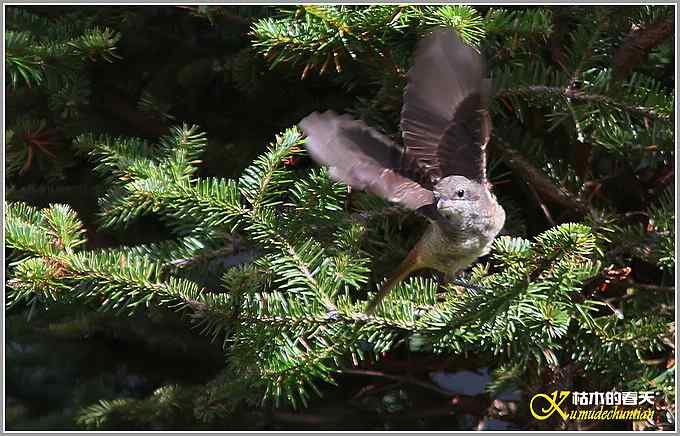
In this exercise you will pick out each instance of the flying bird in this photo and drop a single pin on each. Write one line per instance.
(440, 171)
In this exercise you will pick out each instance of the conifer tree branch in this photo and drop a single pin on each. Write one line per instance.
(637, 45)
(288, 310)
(587, 98)
(400, 378)
(537, 179)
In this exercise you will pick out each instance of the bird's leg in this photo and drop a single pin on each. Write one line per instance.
(412, 262)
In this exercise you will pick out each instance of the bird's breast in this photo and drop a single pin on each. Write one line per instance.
(452, 245)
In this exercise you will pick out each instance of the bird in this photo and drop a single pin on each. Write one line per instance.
(439, 170)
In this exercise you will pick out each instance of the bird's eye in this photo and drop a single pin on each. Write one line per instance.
(460, 193)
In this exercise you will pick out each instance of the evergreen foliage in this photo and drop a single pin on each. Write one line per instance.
(275, 262)
(47, 60)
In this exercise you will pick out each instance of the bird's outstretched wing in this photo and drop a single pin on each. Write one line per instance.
(361, 157)
(444, 121)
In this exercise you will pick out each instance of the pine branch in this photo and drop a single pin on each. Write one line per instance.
(464, 19)
(529, 22)
(20, 63)
(637, 45)
(298, 257)
(399, 378)
(584, 97)
(32, 54)
(109, 278)
(537, 179)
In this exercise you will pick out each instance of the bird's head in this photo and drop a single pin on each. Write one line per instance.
(458, 195)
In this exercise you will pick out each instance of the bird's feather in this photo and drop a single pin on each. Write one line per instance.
(361, 157)
(444, 121)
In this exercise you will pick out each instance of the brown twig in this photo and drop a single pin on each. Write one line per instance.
(577, 95)
(476, 405)
(481, 405)
(637, 45)
(541, 205)
(545, 187)
(401, 378)
(648, 287)
(375, 389)
(203, 257)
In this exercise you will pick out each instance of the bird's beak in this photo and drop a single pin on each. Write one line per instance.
(437, 199)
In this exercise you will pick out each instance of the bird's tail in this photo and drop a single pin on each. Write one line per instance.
(411, 263)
